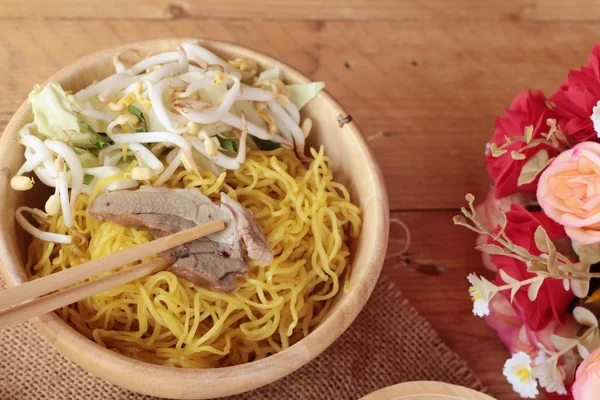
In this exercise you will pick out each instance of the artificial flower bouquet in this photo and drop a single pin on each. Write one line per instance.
(539, 231)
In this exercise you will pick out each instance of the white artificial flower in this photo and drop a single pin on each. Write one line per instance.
(480, 295)
(595, 117)
(549, 374)
(519, 373)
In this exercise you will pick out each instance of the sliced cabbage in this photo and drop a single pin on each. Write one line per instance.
(272, 74)
(87, 159)
(52, 112)
(97, 124)
(207, 164)
(250, 113)
(302, 93)
(153, 124)
(213, 94)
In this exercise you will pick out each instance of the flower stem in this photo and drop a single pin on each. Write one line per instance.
(518, 284)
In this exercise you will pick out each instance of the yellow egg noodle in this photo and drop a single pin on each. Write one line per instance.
(307, 218)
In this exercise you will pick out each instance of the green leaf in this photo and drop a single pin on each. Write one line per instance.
(266, 145)
(491, 249)
(506, 277)
(87, 179)
(533, 167)
(86, 126)
(100, 140)
(542, 240)
(515, 155)
(561, 343)
(585, 317)
(533, 289)
(528, 133)
(588, 253)
(496, 151)
(459, 220)
(138, 113)
(228, 144)
(522, 251)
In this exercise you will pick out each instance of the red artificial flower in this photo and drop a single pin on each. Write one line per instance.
(575, 99)
(556, 396)
(553, 300)
(526, 109)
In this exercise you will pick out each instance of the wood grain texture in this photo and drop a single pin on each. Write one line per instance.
(432, 275)
(392, 10)
(426, 391)
(429, 75)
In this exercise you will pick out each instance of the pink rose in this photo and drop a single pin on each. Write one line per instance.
(487, 211)
(587, 380)
(517, 336)
(569, 192)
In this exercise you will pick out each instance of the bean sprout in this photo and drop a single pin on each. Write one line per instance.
(33, 231)
(210, 116)
(197, 52)
(174, 160)
(157, 59)
(31, 163)
(154, 137)
(197, 85)
(157, 102)
(254, 94)
(113, 83)
(146, 155)
(287, 121)
(255, 130)
(63, 191)
(293, 112)
(64, 151)
(33, 142)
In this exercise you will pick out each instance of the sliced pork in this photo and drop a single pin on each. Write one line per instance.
(215, 261)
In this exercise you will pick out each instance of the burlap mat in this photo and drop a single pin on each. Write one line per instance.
(389, 343)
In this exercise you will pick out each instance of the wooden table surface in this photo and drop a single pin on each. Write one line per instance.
(430, 75)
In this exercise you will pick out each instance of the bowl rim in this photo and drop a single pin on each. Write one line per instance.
(53, 328)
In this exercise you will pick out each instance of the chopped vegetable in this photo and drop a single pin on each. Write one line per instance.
(52, 113)
(301, 94)
(87, 179)
(100, 140)
(138, 113)
(87, 159)
(228, 144)
(266, 145)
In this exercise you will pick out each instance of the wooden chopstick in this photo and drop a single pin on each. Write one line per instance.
(42, 305)
(39, 287)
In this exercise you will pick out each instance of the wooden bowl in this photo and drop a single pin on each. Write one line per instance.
(353, 165)
(426, 390)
